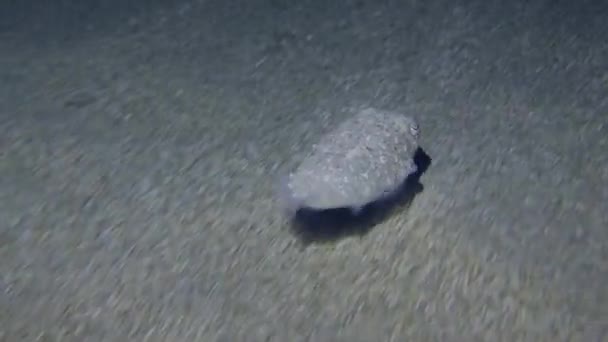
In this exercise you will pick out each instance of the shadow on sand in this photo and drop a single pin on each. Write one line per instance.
(314, 226)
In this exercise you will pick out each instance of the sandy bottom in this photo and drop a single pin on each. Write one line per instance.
(140, 147)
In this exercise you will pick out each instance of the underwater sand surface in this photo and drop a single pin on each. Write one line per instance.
(139, 146)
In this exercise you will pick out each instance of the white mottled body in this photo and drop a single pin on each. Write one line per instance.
(364, 159)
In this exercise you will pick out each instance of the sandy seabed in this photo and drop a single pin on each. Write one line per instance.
(139, 146)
